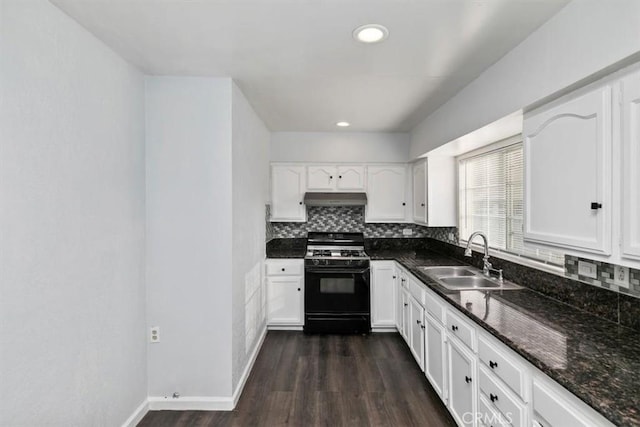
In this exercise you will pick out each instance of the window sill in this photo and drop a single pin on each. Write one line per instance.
(517, 259)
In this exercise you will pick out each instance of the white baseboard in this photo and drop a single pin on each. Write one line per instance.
(284, 328)
(137, 415)
(208, 403)
(384, 329)
(248, 368)
(191, 403)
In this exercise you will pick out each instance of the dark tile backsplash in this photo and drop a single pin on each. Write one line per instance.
(351, 219)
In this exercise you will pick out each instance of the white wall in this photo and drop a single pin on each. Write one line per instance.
(72, 297)
(583, 38)
(339, 147)
(250, 194)
(189, 235)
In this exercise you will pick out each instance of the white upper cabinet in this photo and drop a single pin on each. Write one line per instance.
(420, 192)
(287, 193)
(351, 178)
(386, 193)
(567, 198)
(631, 167)
(335, 178)
(321, 178)
(434, 192)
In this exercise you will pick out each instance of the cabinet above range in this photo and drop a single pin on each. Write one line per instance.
(389, 187)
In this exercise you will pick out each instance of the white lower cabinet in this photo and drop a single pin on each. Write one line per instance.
(383, 294)
(416, 320)
(435, 355)
(482, 382)
(462, 383)
(285, 293)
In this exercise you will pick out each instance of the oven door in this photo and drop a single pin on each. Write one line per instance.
(337, 290)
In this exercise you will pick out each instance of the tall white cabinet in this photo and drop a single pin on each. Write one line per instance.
(630, 100)
(568, 173)
(434, 191)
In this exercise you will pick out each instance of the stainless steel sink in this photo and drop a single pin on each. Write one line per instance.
(461, 278)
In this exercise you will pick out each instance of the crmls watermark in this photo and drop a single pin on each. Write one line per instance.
(487, 419)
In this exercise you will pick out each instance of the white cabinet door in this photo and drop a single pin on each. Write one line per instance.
(568, 174)
(321, 178)
(383, 294)
(462, 383)
(287, 193)
(351, 178)
(631, 167)
(406, 317)
(417, 331)
(420, 192)
(435, 351)
(386, 187)
(285, 300)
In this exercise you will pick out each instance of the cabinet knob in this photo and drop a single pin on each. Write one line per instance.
(422, 204)
(422, 326)
(493, 397)
(394, 277)
(300, 203)
(418, 322)
(467, 379)
(282, 268)
(404, 204)
(340, 176)
(596, 205)
(405, 304)
(330, 176)
(298, 289)
(454, 328)
(493, 364)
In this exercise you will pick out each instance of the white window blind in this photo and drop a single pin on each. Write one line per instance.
(491, 201)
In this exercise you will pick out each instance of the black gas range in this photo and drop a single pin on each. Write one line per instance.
(337, 284)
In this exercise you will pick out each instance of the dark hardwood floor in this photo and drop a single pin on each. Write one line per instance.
(326, 380)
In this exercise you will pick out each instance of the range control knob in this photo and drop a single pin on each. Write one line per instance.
(316, 261)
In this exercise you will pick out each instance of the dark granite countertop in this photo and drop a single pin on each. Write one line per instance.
(597, 360)
(286, 248)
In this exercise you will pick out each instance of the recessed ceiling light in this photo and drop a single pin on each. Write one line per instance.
(343, 124)
(370, 33)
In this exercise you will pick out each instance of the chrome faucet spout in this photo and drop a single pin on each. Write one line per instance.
(486, 264)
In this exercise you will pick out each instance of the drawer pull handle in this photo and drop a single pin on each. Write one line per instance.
(454, 328)
(467, 379)
(493, 397)
(493, 364)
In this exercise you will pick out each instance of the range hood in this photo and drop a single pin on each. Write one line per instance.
(335, 199)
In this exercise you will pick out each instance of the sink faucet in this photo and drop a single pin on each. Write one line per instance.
(487, 268)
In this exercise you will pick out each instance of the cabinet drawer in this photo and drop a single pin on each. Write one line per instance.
(487, 416)
(506, 369)
(502, 399)
(285, 268)
(416, 290)
(461, 329)
(433, 306)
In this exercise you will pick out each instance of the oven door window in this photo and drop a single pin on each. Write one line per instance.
(337, 285)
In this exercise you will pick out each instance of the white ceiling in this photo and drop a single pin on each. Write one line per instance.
(297, 62)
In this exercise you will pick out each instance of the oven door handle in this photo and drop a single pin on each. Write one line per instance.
(335, 271)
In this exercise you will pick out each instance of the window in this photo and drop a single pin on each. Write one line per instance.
(491, 200)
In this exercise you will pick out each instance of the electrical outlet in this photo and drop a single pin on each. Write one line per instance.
(621, 276)
(407, 232)
(154, 334)
(451, 237)
(587, 269)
